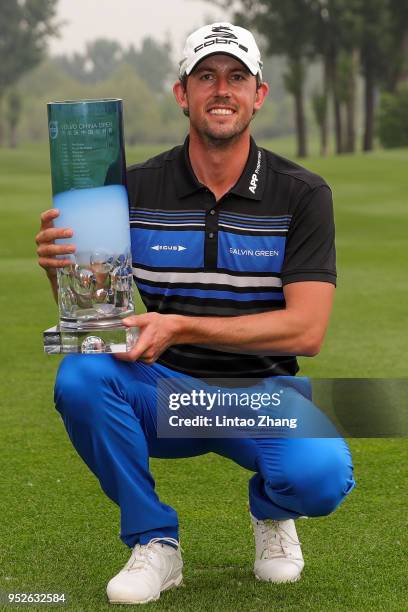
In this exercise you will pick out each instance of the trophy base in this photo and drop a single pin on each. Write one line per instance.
(89, 339)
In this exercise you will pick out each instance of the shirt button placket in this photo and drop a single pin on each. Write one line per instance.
(211, 243)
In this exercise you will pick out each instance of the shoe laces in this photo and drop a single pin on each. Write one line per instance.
(143, 553)
(276, 540)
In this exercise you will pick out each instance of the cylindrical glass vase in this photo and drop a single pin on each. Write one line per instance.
(88, 172)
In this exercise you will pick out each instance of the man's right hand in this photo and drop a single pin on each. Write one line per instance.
(47, 250)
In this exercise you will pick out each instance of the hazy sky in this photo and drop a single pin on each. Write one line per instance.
(129, 21)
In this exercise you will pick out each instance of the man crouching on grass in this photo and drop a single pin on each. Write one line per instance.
(250, 288)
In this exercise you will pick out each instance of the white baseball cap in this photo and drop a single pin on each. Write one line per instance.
(221, 38)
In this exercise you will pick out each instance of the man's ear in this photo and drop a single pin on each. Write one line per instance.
(261, 94)
(180, 94)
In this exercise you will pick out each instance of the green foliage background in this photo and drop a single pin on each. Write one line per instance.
(393, 119)
(150, 116)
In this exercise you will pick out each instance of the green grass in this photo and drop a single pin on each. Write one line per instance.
(59, 532)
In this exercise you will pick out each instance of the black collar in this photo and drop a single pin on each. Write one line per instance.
(251, 183)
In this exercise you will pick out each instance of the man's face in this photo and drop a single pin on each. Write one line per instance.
(221, 97)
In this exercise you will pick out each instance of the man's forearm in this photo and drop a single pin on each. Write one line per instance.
(280, 332)
(297, 329)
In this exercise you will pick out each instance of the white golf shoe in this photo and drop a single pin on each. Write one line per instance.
(278, 556)
(151, 569)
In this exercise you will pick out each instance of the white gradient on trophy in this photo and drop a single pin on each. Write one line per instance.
(99, 218)
(98, 284)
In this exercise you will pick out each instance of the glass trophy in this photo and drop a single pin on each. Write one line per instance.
(88, 172)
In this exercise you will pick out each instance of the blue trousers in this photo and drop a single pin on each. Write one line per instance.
(109, 411)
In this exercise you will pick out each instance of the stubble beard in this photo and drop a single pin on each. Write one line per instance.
(217, 138)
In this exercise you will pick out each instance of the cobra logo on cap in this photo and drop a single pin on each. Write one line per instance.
(224, 31)
(221, 35)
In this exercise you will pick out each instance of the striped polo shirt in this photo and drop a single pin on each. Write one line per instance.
(195, 256)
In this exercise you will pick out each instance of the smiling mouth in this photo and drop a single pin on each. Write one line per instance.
(221, 111)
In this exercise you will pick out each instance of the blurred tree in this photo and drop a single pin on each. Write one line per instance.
(173, 123)
(376, 37)
(347, 91)
(336, 38)
(294, 80)
(72, 65)
(319, 105)
(350, 64)
(102, 58)
(152, 63)
(393, 119)
(272, 72)
(264, 124)
(141, 109)
(144, 122)
(169, 110)
(25, 27)
(397, 66)
(370, 35)
(14, 104)
(46, 82)
(276, 118)
(325, 43)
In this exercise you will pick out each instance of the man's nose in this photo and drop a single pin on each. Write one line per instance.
(222, 86)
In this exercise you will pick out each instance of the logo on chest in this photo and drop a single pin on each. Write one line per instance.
(168, 247)
(254, 252)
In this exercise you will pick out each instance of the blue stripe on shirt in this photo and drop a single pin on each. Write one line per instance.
(206, 293)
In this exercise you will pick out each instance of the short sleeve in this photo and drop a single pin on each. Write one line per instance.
(310, 253)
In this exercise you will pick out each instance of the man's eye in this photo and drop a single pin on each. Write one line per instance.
(238, 77)
(206, 77)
